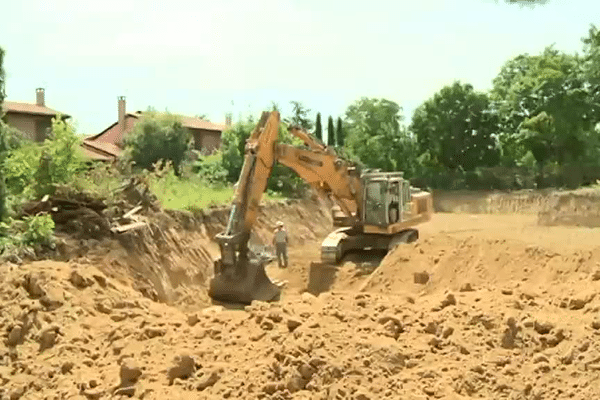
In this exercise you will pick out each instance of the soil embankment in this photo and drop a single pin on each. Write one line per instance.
(486, 305)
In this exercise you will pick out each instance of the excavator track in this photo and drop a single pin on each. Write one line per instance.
(344, 241)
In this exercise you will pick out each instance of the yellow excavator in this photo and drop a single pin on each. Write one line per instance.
(373, 210)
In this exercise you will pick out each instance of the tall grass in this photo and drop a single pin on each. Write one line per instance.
(191, 191)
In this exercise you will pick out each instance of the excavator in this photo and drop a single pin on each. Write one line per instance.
(373, 210)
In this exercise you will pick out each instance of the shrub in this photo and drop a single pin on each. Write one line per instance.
(38, 229)
(157, 136)
(29, 233)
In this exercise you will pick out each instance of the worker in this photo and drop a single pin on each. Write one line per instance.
(280, 241)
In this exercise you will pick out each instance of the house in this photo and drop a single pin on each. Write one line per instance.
(33, 120)
(107, 145)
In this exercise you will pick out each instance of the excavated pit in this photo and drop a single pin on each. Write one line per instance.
(482, 306)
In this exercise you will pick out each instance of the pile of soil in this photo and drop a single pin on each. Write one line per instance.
(73, 332)
(485, 306)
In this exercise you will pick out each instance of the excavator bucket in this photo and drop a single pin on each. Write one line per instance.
(243, 289)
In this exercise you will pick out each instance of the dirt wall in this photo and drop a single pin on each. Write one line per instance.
(171, 259)
(568, 208)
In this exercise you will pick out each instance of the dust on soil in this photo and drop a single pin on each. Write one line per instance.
(505, 308)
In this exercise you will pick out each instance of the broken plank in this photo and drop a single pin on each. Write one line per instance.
(130, 213)
(128, 227)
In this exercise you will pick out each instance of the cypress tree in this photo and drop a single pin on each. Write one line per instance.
(319, 128)
(3, 208)
(339, 133)
(330, 132)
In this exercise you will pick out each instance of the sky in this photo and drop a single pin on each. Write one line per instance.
(197, 57)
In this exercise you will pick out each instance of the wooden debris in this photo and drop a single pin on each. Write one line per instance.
(128, 227)
(131, 212)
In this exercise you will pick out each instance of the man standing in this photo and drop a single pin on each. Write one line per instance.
(280, 241)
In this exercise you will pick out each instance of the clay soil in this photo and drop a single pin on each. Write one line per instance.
(482, 306)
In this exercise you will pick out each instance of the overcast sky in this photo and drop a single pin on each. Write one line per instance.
(212, 57)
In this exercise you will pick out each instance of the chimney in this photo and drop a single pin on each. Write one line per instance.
(228, 119)
(121, 120)
(121, 112)
(39, 97)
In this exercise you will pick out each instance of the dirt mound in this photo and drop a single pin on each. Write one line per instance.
(75, 333)
(451, 262)
(483, 306)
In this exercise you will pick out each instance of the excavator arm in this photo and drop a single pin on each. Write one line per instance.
(239, 274)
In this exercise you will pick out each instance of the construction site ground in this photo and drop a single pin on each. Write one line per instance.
(497, 300)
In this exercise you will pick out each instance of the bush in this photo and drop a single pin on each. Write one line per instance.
(38, 229)
(36, 169)
(157, 136)
(209, 168)
(29, 233)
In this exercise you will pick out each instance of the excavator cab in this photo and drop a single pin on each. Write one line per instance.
(386, 199)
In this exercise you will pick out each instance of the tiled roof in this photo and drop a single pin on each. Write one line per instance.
(95, 155)
(104, 148)
(188, 122)
(29, 108)
(194, 123)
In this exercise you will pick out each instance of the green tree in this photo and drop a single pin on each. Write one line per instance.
(157, 136)
(330, 132)
(456, 128)
(232, 150)
(233, 142)
(374, 134)
(551, 83)
(339, 133)
(3, 142)
(319, 128)
(2, 79)
(530, 3)
(299, 116)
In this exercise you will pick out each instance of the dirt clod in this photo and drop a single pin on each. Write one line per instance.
(421, 278)
(207, 380)
(129, 373)
(184, 368)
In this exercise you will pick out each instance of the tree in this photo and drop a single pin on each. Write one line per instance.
(319, 128)
(339, 133)
(2, 79)
(456, 128)
(157, 136)
(373, 133)
(300, 116)
(3, 207)
(530, 3)
(551, 83)
(282, 178)
(330, 132)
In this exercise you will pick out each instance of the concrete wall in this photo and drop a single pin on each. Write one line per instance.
(33, 127)
(209, 140)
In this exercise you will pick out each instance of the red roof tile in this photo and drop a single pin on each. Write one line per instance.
(95, 155)
(29, 108)
(105, 148)
(194, 123)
